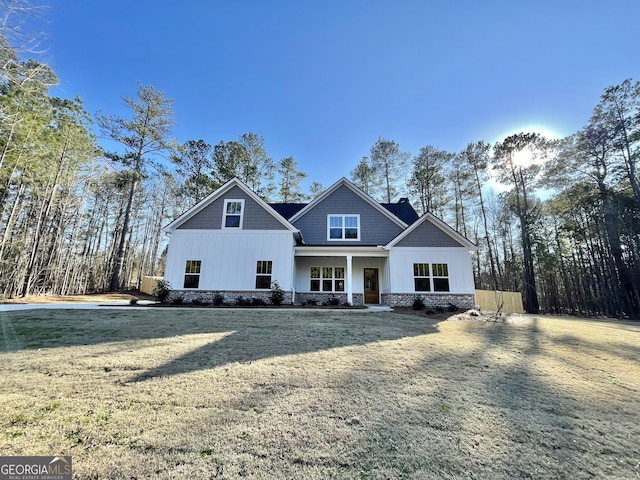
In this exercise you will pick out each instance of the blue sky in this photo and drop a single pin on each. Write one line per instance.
(321, 81)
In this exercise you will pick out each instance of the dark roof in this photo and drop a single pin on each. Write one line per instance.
(403, 210)
(287, 210)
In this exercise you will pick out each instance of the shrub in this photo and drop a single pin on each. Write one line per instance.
(177, 301)
(333, 301)
(243, 302)
(133, 301)
(452, 308)
(162, 291)
(218, 299)
(312, 301)
(277, 294)
(418, 304)
(257, 302)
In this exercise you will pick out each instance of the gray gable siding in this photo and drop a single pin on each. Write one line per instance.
(255, 216)
(428, 235)
(375, 228)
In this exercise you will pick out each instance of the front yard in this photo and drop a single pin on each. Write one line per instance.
(170, 393)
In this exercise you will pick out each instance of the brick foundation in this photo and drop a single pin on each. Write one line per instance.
(462, 301)
(230, 297)
(302, 298)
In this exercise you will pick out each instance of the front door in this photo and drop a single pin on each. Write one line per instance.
(371, 290)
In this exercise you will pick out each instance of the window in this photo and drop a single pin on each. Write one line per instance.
(232, 215)
(327, 279)
(439, 277)
(343, 227)
(421, 277)
(192, 274)
(263, 274)
(440, 273)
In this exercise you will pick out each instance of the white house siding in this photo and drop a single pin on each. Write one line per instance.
(235, 269)
(461, 283)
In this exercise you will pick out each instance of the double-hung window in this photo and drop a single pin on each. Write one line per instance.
(327, 279)
(343, 227)
(263, 274)
(232, 214)
(192, 273)
(431, 277)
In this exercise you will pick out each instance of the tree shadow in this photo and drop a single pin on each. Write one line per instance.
(263, 338)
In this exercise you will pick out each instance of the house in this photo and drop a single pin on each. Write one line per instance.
(343, 244)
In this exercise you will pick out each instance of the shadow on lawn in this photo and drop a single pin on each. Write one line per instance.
(249, 335)
(491, 411)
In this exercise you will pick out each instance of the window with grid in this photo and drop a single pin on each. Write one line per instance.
(421, 277)
(327, 279)
(343, 227)
(440, 274)
(192, 274)
(263, 274)
(232, 215)
(431, 277)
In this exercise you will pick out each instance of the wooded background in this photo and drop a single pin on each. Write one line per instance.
(79, 216)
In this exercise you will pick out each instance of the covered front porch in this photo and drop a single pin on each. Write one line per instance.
(355, 276)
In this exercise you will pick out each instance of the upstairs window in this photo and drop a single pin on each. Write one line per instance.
(192, 274)
(233, 213)
(343, 227)
(263, 274)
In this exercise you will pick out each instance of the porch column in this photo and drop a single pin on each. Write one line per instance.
(348, 280)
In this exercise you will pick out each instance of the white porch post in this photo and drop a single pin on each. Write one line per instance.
(348, 280)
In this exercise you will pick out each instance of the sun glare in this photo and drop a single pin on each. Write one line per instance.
(523, 158)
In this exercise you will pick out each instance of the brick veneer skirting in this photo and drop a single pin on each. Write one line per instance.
(230, 297)
(302, 298)
(463, 301)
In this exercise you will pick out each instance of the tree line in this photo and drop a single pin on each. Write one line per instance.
(78, 217)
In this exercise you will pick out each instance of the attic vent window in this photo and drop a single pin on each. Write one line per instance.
(232, 214)
(343, 227)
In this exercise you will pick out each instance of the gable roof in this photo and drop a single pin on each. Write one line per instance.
(234, 182)
(346, 183)
(429, 217)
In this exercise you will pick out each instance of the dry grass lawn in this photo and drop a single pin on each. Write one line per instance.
(171, 393)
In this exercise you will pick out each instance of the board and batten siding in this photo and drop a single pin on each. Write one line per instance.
(428, 235)
(375, 227)
(229, 258)
(401, 260)
(255, 216)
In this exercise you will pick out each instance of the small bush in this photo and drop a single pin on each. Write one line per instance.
(333, 301)
(312, 301)
(243, 302)
(162, 291)
(133, 301)
(439, 309)
(277, 294)
(200, 301)
(218, 299)
(452, 308)
(257, 302)
(177, 301)
(418, 304)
